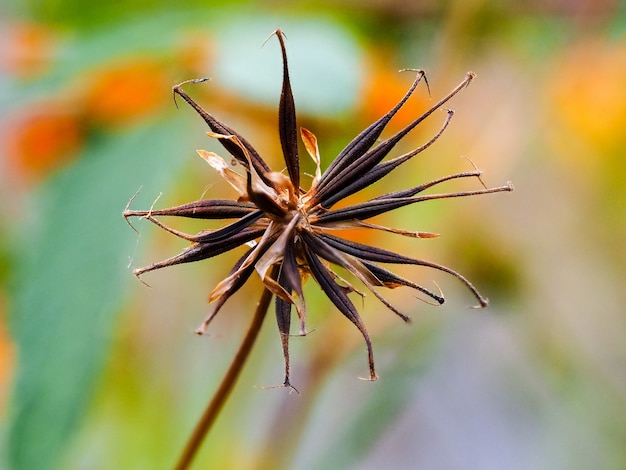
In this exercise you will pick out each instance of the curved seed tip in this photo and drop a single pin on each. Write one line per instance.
(478, 173)
(138, 273)
(510, 186)
(278, 33)
(439, 301)
(482, 303)
(291, 387)
(128, 213)
(469, 77)
(303, 332)
(176, 88)
(126, 218)
(285, 384)
(440, 298)
(191, 80)
(372, 378)
(130, 201)
(471, 162)
(427, 235)
(421, 73)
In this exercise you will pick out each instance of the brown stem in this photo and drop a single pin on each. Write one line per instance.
(228, 382)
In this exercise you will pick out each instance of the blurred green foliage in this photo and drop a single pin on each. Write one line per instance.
(67, 287)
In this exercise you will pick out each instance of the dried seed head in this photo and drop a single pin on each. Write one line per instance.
(288, 228)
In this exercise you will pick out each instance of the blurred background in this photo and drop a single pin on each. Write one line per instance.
(99, 371)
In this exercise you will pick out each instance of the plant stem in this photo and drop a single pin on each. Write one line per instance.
(228, 382)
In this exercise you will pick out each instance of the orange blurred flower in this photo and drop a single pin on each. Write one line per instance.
(25, 49)
(43, 138)
(126, 91)
(382, 87)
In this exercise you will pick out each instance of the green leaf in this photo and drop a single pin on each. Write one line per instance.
(71, 278)
(325, 62)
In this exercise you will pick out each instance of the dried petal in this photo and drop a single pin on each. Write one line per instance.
(310, 143)
(232, 177)
(233, 280)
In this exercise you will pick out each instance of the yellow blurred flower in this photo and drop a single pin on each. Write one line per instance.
(587, 93)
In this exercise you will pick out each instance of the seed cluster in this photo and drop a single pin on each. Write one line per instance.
(289, 229)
